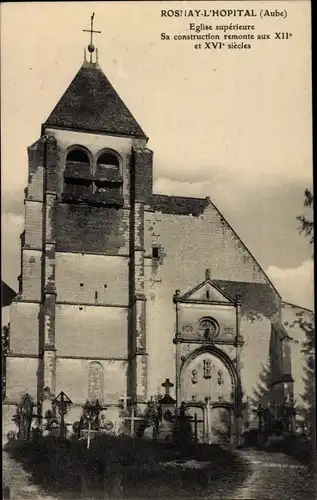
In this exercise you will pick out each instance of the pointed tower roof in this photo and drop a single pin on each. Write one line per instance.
(91, 104)
(7, 294)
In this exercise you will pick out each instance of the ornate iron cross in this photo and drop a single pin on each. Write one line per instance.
(91, 46)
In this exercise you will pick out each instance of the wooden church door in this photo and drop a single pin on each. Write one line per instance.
(206, 382)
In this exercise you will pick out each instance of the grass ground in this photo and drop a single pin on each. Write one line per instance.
(125, 468)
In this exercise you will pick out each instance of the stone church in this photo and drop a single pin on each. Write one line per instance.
(121, 288)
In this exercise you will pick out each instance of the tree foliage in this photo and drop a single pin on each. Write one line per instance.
(308, 348)
(306, 226)
(263, 388)
(308, 409)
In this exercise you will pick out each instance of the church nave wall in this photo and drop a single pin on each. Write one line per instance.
(188, 245)
(255, 358)
(85, 378)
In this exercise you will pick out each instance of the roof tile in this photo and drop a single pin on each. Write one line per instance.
(90, 103)
(178, 205)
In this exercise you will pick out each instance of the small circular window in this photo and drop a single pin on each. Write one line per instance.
(208, 329)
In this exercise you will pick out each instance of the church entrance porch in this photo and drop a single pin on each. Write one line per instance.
(221, 425)
(211, 423)
(208, 390)
(197, 420)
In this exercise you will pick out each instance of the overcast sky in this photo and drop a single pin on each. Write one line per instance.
(233, 125)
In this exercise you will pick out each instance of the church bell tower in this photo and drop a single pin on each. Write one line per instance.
(81, 300)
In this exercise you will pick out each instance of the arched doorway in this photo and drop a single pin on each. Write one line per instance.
(221, 423)
(209, 388)
(196, 412)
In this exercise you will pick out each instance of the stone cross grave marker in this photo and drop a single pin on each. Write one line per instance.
(167, 386)
(62, 403)
(133, 418)
(125, 398)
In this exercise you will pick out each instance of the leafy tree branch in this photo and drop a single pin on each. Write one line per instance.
(306, 224)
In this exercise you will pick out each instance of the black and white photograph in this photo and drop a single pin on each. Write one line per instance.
(157, 286)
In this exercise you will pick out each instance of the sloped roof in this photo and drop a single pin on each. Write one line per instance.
(91, 104)
(182, 205)
(199, 293)
(258, 296)
(178, 205)
(289, 305)
(7, 294)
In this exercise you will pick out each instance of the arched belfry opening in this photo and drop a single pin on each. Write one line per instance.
(78, 181)
(77, 156)
(108, 178)
(108, 159)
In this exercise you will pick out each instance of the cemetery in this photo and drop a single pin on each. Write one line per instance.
(152, 452)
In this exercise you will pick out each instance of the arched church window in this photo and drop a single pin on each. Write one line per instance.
(208, 329)
(77, 174)
(95, 381)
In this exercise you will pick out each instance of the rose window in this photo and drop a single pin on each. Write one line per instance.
(208, 329)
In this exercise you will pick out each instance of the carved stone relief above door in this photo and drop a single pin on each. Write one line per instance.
(206, 377)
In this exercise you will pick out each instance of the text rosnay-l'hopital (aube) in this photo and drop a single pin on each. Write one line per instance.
(208, 13)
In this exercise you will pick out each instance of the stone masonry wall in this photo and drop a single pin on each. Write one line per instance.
(88, 229)
(72, 377)
(21, 377)
(189, 245)
(31, 274)
(24, 328)
(91, 331)
(92, 279)
(33, 224)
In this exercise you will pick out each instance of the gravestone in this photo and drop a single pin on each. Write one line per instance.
(61, 404)
(149, 432)
(167, 411)
(133, 423)
(112, 415)
(184, 428)
(166, 427)
(23, 417)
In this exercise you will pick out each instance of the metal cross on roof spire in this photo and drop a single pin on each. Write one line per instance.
(91, 47)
